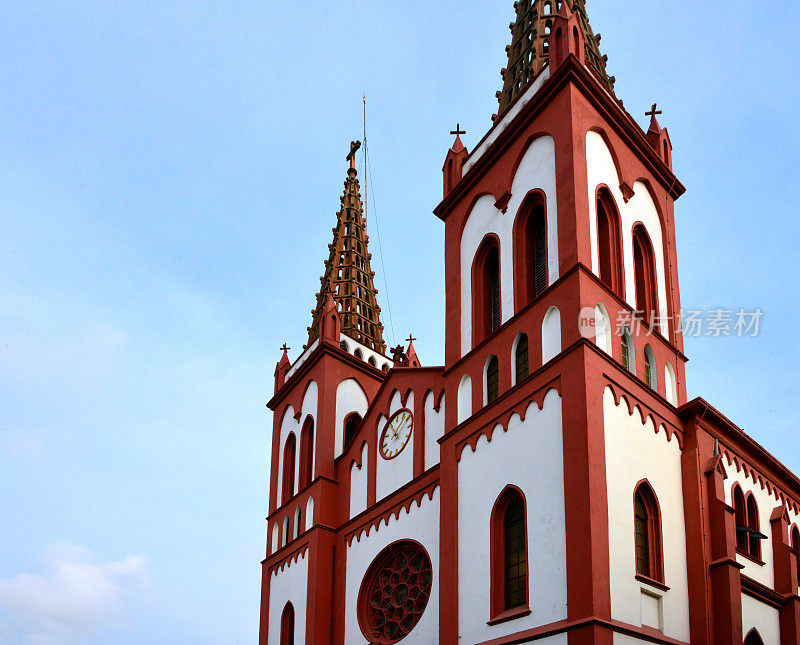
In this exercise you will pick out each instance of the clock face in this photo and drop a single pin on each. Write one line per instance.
(396, 434)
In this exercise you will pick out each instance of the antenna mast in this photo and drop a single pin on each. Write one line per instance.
(366, 201)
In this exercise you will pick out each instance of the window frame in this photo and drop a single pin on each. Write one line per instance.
(529, 283)
(654, 539)
(522, 358)
(485, 318)
(491, 380)
(287, 624)
(612, 275)
(306, 453)
(499, 609)
(644, 274)
(289, 467)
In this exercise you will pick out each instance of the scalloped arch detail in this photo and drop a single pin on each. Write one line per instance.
(645, 414)
(394, 512)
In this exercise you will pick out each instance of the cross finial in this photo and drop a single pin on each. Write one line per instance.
(654, 110)
(458, 130)
(410, 339)
(285, 348)
(351, 157)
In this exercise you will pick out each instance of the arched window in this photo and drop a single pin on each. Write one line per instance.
(753, 638)
(351, 423)
(628, 351)
(645, 274)
(521, 359)
(509, 553)
(796, 549)
(647, 530)
(754, 541)
(306, 453)
(492, 380)
(740, 513)
(287, 625)
(650, 374)
(486, 288)
(288, 468)
(530, 246)
(358, 354)
(609, 242)
(298, 520)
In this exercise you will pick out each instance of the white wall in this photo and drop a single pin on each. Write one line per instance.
(420, 524)
(537, 170)
(634, 452)
(289, 425)
(358, 483)
(640, 208)
(349, 398)
(434, 430)
(289, 585)
(391, 474)
(551, 334)
(464, 399)
(530, 456)
(763, 617)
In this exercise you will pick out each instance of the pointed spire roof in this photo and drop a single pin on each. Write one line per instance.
(528, 52)
(348, 278)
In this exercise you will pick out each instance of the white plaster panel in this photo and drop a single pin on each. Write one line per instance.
(288, 425)
(349, 398)
(302, 359)
(310, 408)
(434, 430)
(537, 170)
(640, 208)
(464, 399)
(310, 513)
(755, 614)
(602, 327)
(670, 384)
(765, 574)
(420, 524)
(551, 334)
(358, 483)
(351, 345)
(635, 452)
(392, 474)
(529, 455)
(289, 585)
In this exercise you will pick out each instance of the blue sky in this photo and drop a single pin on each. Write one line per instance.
(169, 175)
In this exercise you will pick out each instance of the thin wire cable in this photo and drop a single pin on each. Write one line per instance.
(368, 173)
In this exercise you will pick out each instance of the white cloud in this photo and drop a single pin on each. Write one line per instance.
(74, 593)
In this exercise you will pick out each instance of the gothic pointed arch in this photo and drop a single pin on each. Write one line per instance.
(491, 380)
(796, 549)
(287, 625)
(306, 453)
(740, 518)
(289, 449)
(351, 424)
(486, 296)
(530, 249)
(609, 242)
(753, 638)
(647, 533)
(521, 358)
(509, 553)
(644, 264)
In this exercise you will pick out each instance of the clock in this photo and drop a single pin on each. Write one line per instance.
(396, 434)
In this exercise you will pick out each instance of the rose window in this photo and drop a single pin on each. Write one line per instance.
(395, 592)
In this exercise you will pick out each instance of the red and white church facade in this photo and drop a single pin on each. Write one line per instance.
(551, 482)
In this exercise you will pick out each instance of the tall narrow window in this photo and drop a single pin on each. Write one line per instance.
(628, 351)
(645, 274)
(740, 513)
(492, 379)
(754, 539)
(521, 359)
(287, 625)
(509, 554)
(609, 242)
(351, 423)
(306, 453)
(647, 533)
(530, 250)
(796, 548)
(650, 373)
(288, 468)
(516, 555)
(486, 287)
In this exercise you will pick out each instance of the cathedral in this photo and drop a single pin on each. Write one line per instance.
(550, 482)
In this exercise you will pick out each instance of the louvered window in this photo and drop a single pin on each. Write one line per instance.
(642, 540)
(494, 280)
(540, 253)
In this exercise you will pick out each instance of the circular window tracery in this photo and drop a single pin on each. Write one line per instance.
(395, 592)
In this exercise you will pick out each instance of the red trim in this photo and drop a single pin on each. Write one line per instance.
(609, 242)
(755, 589)
(499, 612)
(306, 453)
(287, 491)
(653, 583)
(644, 267)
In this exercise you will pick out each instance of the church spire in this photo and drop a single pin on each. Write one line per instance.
(348, 278)
(528, 53)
